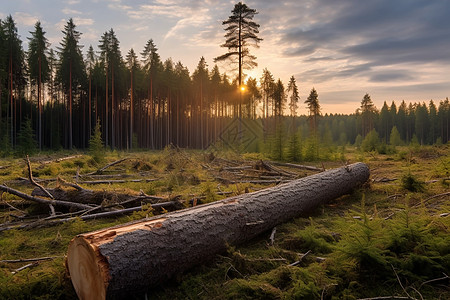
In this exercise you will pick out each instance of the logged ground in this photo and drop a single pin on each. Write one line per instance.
(390, 238)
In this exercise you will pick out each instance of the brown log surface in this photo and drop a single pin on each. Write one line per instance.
(129, 258)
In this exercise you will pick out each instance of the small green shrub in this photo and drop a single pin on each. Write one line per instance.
(411, 183)
(371, 141)
(96, 147)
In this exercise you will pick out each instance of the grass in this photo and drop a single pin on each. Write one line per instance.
(360, 245)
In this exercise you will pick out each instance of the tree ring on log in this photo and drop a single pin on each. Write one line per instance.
(86, 274)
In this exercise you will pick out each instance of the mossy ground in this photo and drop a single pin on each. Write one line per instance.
(360, 245)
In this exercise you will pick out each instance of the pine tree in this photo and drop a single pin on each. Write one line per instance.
(433, 122)
(394, 137)
(91, 61)
(200, 82)
(295, 147)
(152, 66)
(444, 118)
(421, 123)
(242, 32)
(16, 72)
(267, 86)
(96, 147)
(313, 105)
(71, 73)
(38, 68)
(368, 111)
(385, 122)
(26, 143)
(132, 63)
(293, 96)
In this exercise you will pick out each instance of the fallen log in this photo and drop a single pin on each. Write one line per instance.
(130, 258)
(290, 165)
(87, 196)
(68, 204)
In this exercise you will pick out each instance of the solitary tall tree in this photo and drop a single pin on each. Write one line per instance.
(242, 32)
(38, 67)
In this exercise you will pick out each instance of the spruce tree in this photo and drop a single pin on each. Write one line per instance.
(26, 143)
(96, 147)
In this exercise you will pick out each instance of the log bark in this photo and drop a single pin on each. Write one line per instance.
(117, 261)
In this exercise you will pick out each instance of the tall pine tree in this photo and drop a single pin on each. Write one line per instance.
(71, 73)
(38, 68)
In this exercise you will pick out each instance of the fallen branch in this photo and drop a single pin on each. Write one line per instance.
(295, 166)
(300, 259)
(272, 236)
(384, 179)
(112, 181)
(237, 168)
(60, 159)
(432, 197)
(33, 264)
(99, 171)
(274, 169)
(17, 193)
(434, 280)
(72, 185)
(86, 196)
(273, 181)
(30, 177)
(401, 285)
(12, 261)
(386, 298)
(165, 205)
(437, 180)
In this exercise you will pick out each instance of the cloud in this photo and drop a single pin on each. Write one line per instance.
(391, 76)
(359, 38)
(83, 21)
(25, 19)
(68, 11)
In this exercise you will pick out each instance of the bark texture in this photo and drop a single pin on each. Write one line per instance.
(135, 256)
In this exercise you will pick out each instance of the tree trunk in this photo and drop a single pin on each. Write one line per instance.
(130, 258)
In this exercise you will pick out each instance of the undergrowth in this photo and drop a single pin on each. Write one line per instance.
(387, 239)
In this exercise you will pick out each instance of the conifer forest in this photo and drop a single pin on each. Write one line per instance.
(53, 95)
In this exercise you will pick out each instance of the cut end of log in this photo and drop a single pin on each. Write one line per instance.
(88, 276)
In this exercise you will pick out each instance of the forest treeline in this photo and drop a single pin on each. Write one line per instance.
(52, 98)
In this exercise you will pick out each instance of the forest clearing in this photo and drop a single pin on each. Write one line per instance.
(388, 238)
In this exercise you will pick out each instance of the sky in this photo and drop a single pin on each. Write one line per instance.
(393, 50)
